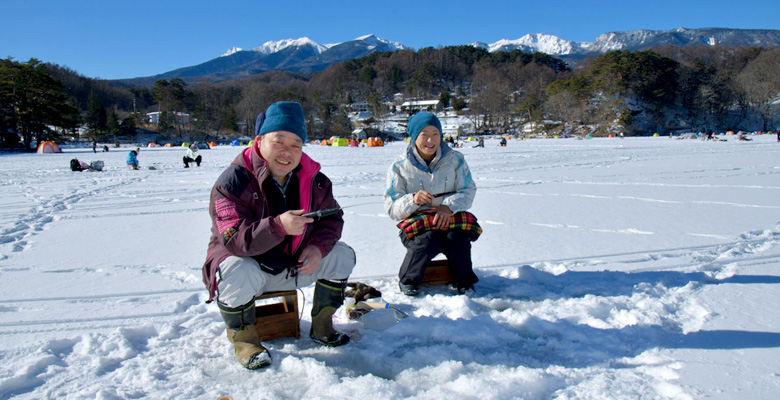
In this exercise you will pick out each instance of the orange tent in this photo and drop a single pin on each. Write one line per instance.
(324, 142)
(212, 144)
(375, 142)
(169, 145)
(48, 147)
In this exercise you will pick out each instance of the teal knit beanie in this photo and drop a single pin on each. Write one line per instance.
(419, 121)
(284, 116)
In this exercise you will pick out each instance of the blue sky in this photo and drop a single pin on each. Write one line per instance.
(111, 40)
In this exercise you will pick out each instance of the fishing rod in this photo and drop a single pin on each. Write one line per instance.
(445, 193)
(330, 211)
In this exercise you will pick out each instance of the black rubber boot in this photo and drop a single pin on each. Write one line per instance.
(328, 296)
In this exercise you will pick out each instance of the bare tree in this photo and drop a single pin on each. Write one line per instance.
(256, 97)
(564, 106)
(490, 93)
(760, 82)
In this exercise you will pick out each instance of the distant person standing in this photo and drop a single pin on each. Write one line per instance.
(192, 155)
(132, 159)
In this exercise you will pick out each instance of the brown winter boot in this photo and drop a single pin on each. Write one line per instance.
(328, 296)
(242, 333)
(249, 351)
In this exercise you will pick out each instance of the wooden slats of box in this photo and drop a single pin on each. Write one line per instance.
(437, 273)
(278, 320)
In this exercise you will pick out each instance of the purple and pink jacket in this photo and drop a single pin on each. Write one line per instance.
(241, 224)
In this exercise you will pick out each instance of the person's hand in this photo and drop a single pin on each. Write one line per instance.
(310, 260)
(442, 218)
(422, 198)
(293, 223)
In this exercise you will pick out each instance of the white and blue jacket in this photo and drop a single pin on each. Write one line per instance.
(447, 172)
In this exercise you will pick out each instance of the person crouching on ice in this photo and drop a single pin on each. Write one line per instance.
(429, 188)
(192, 155)
(261, 243)
(132, 159)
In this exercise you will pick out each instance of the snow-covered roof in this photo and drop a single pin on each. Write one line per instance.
(420, 103)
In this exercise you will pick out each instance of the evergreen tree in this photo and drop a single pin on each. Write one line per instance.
(31, 101)
(342, 125)
(458, 103)
(375, 102)
(444, 98)
(170, 96)
(128, 125)
(96, 116)
(112, 124)
(230, 119)
(327, 113)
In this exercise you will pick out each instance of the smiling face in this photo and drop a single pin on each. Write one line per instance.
(282, 152)
(428, 141)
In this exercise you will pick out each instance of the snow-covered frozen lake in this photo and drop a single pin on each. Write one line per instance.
(609, 268)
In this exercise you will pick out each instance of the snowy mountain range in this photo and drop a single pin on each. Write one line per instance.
(306, 55)
(298, 55)
(637, 40)
(270, 47)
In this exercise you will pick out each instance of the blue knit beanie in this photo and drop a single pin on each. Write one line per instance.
(284, 116)
(419, 121)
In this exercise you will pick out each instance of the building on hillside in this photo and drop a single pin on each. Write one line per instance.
(454, 126)
(420, 105)
(532, 128)
(452, 130)
(359, 134)
(361, 117)
(182, 118)
(358, 107)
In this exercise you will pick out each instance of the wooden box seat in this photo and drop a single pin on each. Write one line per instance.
(280, 319)
(276, 319)
(437, 273)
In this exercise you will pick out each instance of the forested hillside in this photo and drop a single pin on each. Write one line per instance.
(636, 92)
